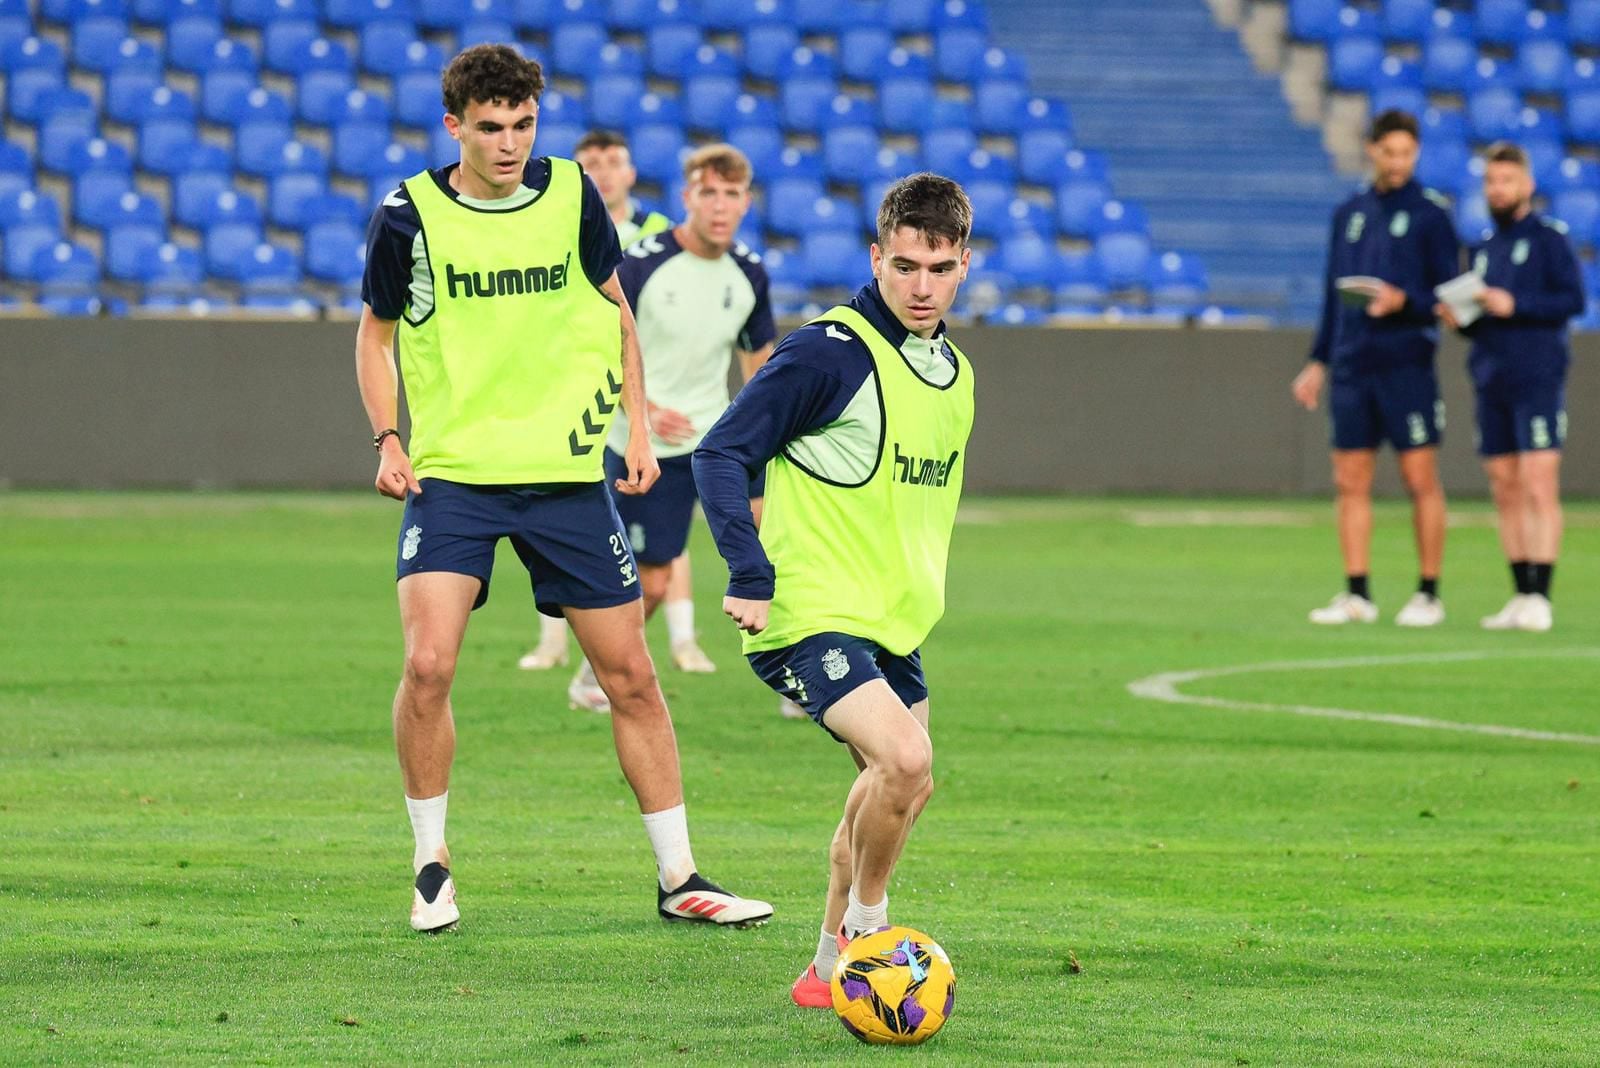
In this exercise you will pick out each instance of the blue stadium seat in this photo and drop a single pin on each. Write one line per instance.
(100, 154)
(288, 194)
(798, 163)
(33, 91)
(1583, 22)
(16, 170)
(653, 109)
(191, 41)
(1580, 210)
(226, 84)
(33, 53)
(95, 42)
(1399, 98)
(96, 196)
(1045, 113)
(336, 208)
(1442, 162)
(128, 248)
(639, 16)
(441, 14)
(982, 165)
(258, 13)
(360, 14)
(905, 104)
(262, 147)
(417, 100)
(1079, 281)
(1027, 216)
(1573, 172)
(1545, 155)
(709, 61)
(1016, 314)
(556, 106)
(555, 139)
(69, 119)
(573, 45)
(65, 267)
(29, 221)
(1473, 221)
(669, 46)
(1493, 113)
(946, 150)
(1539, 124)
(1176, 282)
(909, 16)
(950, 114)
(284, 41)
(1447, 63)
(125, 93)
(16, 22)
(360, 148)
(131, 210)
(1490, 73)
(991, 203)
(767, 48)
(357, 105)
(863, 52)
(1409, 21)
(389, 48)
(824, 19)
(1041, 155)
(1543, 66)
(172, 268)
(804, 63)
(789, 200)
(391, 166)
(999, 103)
(1030, 259)
(1314, 20)
(1502, 21)
(832, 258)
(849, 153)
(762, 143)
(1080, 206)
(269, 268)
(320, 94)
(744, 15)
(611, 99)
(1449, 123)
(958, 51)
(1454, 22)
(335, 252)
(707, 99)
(804, 102)
(1123, 217)
(1124, 257)
(1583, 116)
(616, 59)
(195, 192)
(1395, 72)
(657, 149)
(1353, 62)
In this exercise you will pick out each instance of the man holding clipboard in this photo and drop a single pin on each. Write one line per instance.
(1391, 244)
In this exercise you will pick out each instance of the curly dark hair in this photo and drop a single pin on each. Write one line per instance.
(489, 72)
(1394, 121)
(934, 206)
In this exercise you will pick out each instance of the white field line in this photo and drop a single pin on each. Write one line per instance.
(1164, 687)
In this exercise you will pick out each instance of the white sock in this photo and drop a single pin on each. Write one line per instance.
(827, 953)
(427, 823)
(669, 837)
(859, 917)
(552, 630)
(680, 621)
(586, 673)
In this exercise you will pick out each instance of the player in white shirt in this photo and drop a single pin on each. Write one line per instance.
(700, 298)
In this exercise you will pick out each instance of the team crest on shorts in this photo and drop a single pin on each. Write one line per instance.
(408, 547)
(835, 664)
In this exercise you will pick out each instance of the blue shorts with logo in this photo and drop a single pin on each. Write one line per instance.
(1521, 417)
(1400, 405)
(567, 535)
(657, 523)
(816, 672)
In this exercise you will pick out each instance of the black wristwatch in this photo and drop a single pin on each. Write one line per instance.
(377, 439)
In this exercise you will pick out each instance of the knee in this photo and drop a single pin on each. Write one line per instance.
(653, 582)
(839, 855)
(631, 686)
(429, 671)
(1420, 484)
(1352, 483)
(908, 770)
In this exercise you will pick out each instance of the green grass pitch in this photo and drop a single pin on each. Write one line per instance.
(206, 858)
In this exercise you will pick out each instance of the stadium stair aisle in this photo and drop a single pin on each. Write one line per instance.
(1194, 134)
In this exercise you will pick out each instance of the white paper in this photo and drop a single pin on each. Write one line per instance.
(1460, 296)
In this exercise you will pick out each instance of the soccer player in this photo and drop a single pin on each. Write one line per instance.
(1379, 354)
(604, 157)
(1519, 365)
(700, 297)
(864, 415)
(498, 273)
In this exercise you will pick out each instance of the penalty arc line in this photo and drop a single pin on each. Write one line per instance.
(1165, 687)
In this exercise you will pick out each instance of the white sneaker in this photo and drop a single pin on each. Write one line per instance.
(688, 656)
(789, 710)
(545, 656)
(1506, 618)
(699, 900)
(1345, 608)
(585, 692)
(433, 899)
(1421, 611)
(1537, 615)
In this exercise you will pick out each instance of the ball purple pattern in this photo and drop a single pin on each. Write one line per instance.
(899, 957)
(855, 989)
(949, 1001)
(914, 1012)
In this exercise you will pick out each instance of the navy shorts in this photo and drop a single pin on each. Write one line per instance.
(1400, 405)
(1522, 417)
(816, 672)
(657, 523)
(568, 536)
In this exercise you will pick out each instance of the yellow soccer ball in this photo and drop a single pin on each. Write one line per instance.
(893, 986)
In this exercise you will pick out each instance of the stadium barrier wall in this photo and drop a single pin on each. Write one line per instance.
(117, 404)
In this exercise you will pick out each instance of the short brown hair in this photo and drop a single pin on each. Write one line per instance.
(934, 206)
(727, 162)
(489, 72)
(1506, 152)
(1394, 121)
(600, 139)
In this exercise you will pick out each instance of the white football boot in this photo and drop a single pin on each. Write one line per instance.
(699, 900)
(433, 899)
(1506, 618)
(585, 692)
(544, 656)
(789, 710)
(1537, 615)
(1345, 608)
(1422, 610)
(688, 656)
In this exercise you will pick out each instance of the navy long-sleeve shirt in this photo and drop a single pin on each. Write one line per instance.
(1407, 238)
(819, 386)
(1532, 259)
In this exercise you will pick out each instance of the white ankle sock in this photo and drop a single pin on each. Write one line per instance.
(669, 837)
(859, 917)
(427, 824)
(552, 631)
(827, 953)
(680, 621)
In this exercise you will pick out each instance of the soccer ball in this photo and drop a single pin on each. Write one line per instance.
(893, 986)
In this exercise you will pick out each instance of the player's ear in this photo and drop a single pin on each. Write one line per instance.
(453, 125)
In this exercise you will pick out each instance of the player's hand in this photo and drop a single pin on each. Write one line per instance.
(751, 616)
(1307, 385)
(1389, 300)
(395, 476)
(671, 426)
(1497, 302)
(1446, 316)
(643, 470)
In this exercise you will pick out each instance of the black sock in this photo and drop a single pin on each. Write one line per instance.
(1521, 575)
(1542, 574)
(1429, 586)
(1357, 585)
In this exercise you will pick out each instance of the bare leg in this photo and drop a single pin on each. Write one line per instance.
(1419, 469)
(1510, 505)
(654, 581)
(1540, 479)
(680, 583)
(1352, 482)
(613, 640)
